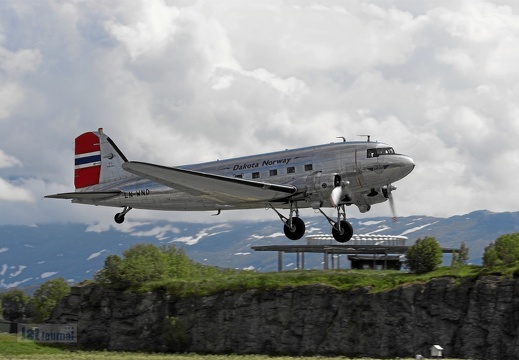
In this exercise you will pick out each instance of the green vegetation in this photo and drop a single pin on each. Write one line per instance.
(14, 303)
(461, 257)
(46, 297)
(373, 280)
(10, 348)
(17, 305)
(145, 268)
(143, 263)
(503, 251)
(424, 256)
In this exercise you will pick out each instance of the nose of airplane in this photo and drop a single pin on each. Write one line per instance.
(407, 165)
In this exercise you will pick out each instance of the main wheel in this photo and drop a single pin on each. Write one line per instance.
(343, 234)
(297, 230)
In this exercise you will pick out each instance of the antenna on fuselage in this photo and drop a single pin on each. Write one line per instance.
(368, 136)
(341, 137)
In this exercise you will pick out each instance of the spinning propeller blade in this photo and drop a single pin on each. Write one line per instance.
(390, 189)
(336, 195)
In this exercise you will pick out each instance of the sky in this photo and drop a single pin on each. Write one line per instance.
(180, 82)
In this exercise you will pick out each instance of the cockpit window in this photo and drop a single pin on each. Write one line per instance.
(380, 151)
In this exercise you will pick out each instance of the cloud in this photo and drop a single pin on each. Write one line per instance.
(19, 62)
(8, 160)
(177, 83)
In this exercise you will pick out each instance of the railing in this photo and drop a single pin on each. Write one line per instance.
(366, 239)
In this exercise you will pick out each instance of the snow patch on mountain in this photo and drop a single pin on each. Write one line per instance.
(48, 274)
(96, 254)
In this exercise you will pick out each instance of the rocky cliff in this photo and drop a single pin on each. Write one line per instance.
(468, 318)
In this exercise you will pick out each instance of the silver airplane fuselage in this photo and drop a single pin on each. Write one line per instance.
(333, 175)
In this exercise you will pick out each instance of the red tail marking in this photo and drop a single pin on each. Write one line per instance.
(88, 160)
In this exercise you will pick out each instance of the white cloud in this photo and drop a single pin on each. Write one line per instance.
(20, 62)
(8, 160)
(190, 82)
(11, 192)
(11, 96)
(148, 32)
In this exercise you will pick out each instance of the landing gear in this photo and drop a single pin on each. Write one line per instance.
(342, 230)
(296, 231)
(294, 227)
(119, 217)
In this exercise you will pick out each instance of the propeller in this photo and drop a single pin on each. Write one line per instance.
(336, 195)
(339, 192)
(390, 189)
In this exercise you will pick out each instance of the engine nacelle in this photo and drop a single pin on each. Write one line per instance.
(320, 187)
(376, 196)
(364, 208)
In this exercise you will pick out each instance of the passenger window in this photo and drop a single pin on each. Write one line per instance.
(273, 172)
(291, 170)
(239, 176)
(255, 175)
(309, 167)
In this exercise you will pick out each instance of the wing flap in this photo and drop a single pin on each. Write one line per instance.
(94, 195)
(219, 187)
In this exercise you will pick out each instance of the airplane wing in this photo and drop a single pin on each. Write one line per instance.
(215, 186)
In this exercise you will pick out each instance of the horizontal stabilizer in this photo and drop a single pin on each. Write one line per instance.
(94, 195)
(219, 187)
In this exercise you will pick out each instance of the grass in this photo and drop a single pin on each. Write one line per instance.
(10, 348)
(344, 280)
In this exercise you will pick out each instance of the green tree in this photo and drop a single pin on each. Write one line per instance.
(14, 303)
(47, 296)
(424, 256)
(142, 263)
(490, 257)
(503, 251)
(461, 257)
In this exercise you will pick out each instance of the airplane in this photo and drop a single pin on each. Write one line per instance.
(331, 175)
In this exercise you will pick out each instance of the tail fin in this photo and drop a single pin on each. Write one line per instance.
(98, 161)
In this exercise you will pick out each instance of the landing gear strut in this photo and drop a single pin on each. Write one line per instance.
(119, 217)
(342, 230)
(294, 227)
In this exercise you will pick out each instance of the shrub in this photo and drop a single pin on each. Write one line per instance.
(424, 256)
(144, 263)
(47, 296)
(503, 251)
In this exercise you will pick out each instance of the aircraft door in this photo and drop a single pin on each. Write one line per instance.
(358, 168)
(313, 185)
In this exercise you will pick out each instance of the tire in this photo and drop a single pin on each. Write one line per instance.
(119, 218)
(344, 234)
(297, 231)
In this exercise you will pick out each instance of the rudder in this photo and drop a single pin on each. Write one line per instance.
(97, 160)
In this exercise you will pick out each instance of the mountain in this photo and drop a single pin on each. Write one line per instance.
(31, 255)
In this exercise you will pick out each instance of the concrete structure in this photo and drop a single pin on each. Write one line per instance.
(381, 248)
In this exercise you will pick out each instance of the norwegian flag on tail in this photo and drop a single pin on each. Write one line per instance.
(88, 160)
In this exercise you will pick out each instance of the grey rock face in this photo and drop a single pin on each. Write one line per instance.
(469, 319)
